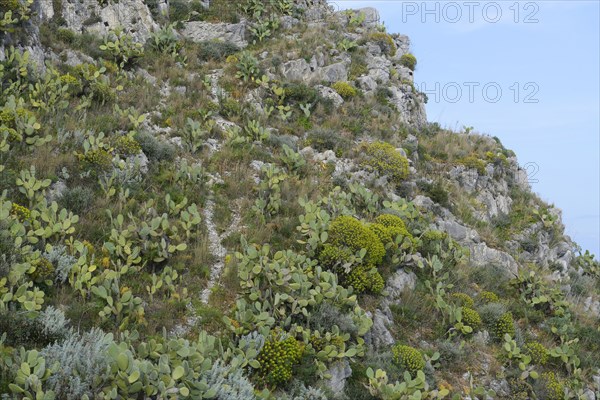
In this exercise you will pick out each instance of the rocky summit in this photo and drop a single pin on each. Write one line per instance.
(245, 200)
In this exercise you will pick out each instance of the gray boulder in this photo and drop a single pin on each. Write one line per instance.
(399, 282)
(340, 371)
(200, 31)
(296, 70)
(89, 16)
(329, 93)
(484, 256)
(459, 232)
(332, 73)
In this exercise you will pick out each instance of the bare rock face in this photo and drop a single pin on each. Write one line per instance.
(199, 31)
(89, 16)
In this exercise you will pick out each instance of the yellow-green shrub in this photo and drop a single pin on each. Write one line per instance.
(9, 5)
(473, 162)
(408, 358)
(98, 159)
(347, 231)
(553, 388)
(127, 146)
(43, 270)
(382, 232)
(505, 324)
(385, 42)
(344, 89)
(471, 317)
(384, 158)
(409, 61)
(488, 297)
(537, 351)
(463, 299)
(21, 212)
(277, 359)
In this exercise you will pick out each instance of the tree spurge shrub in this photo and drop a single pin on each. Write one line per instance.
(344, 89)
(43, 271)
(384, 158)
(98, 159)
(537, 351)
(408, 358)
(385, 42)
(463, 299)
(505, 324)
(394, 224)
(552, 388)
(277, 357)
(471, 318)
(21, 212)
(363, 278)
(127, 146)
(347, 231)
(409, 61)
(488, 297)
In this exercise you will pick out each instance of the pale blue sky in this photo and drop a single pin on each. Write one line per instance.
(553, 47)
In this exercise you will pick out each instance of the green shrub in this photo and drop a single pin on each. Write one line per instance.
(248, 68)
(358, 66)
(409, 61)
(408, 358)
(473, 162)
(277, 358)
(78, 199)
(505, 324)
(538, 352)
(382, 232)
(385, 42)
(463, 299)
(300, 93)
(21, 212)
(394, 224)
(436, 192)
(344, 89)
(384, 158)
(44, 270)
(363, 278)
(127, 146)
(216, 50)
(358, 278)
(376, 282)
(347, 231)
(99, 160)
(65, 35)
(550, 388)
(9, 5)
(179, 10)
(486, 297)
(471, 318)
(154, 148)
(324, 139)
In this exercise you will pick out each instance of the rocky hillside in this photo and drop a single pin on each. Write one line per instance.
(244, 200)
